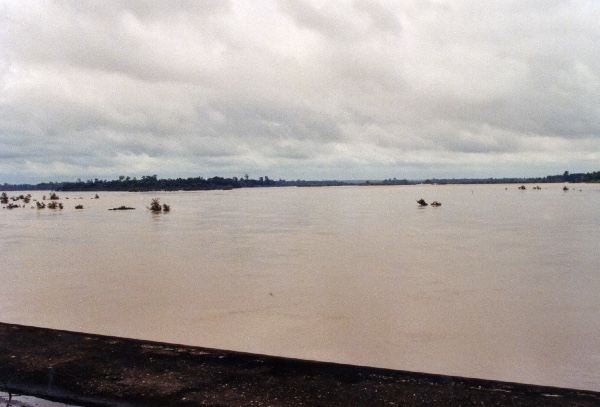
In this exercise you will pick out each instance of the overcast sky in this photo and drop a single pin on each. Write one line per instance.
(298, 89)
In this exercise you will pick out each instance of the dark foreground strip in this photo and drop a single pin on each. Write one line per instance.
(106, 371)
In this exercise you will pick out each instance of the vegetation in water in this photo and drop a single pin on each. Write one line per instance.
(55, 205)
(122, 208)
(156, 206)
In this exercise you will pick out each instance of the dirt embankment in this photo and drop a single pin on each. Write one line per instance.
(98, 370)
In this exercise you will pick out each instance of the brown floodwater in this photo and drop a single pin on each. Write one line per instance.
(496, 283)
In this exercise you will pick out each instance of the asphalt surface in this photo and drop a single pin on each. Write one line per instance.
(94, 370)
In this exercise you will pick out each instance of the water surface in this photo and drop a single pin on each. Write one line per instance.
(496, 283)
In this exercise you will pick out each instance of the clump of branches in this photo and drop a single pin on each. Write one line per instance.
(54, 197)
(4, 198)
(55, 205)
(155, 206)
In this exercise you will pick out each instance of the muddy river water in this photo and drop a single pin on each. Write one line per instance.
(497, 283)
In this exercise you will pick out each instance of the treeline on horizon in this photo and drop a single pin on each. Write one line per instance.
(565, 177)
(153, 183)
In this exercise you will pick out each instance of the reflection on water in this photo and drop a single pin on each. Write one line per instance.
(496, 283)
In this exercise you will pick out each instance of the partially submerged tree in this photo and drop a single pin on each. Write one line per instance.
(155, 205)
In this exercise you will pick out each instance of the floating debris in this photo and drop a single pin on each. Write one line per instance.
(122, 208)
(422, 202)
(436, 203)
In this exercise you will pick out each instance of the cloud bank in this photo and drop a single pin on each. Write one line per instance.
(298, 88)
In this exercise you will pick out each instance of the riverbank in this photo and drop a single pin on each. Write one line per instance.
(99, 370)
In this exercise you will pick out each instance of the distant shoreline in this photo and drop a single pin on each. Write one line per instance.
(153, 183)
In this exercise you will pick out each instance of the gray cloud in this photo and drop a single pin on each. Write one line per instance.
(366, 89)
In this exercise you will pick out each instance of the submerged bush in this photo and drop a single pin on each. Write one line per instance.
(155, 206)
